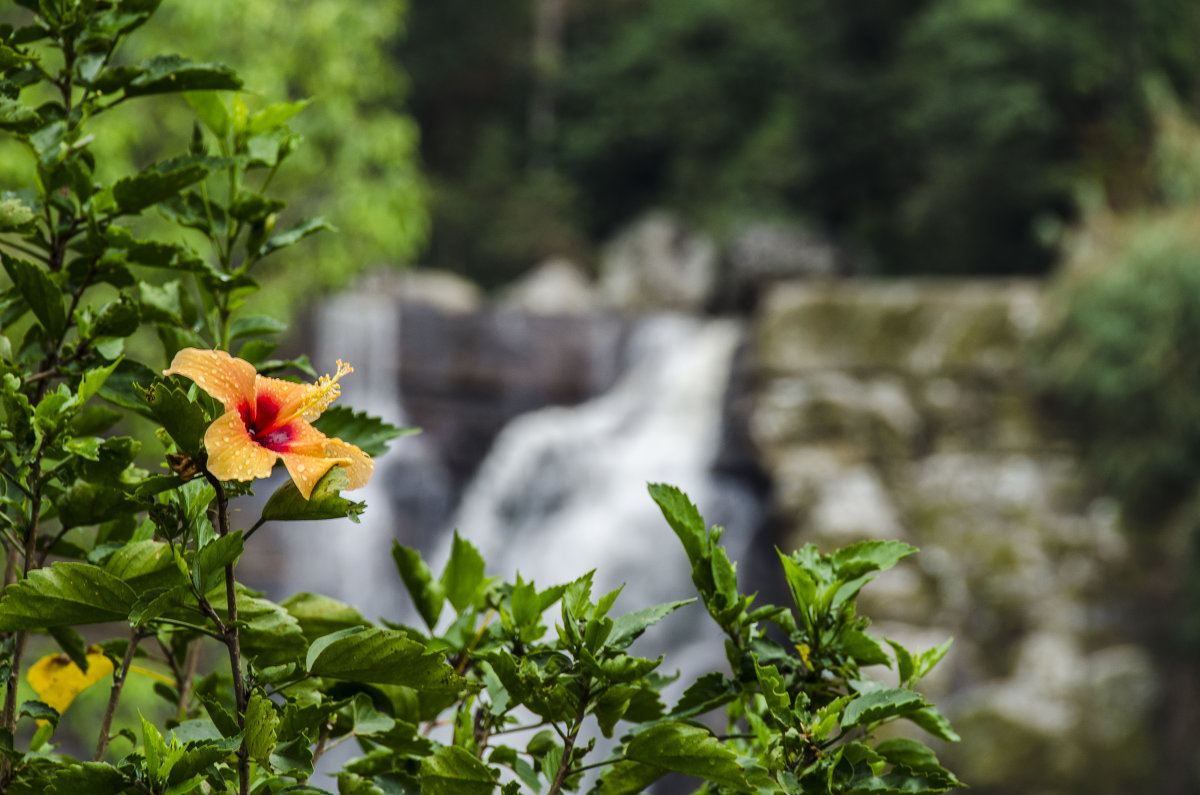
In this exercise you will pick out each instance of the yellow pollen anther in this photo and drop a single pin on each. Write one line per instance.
(324, 392)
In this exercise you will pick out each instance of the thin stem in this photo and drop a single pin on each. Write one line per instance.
(190, 664)
(114, 695)
(231, 636)
(564, 767)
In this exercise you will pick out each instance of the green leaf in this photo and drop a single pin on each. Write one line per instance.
(904, 661)
(182, 418)
(628, 778)
(270, 635)
(86, 503)
(211, 110)
(94, 778)
(630, 626)
(39, 290)
(926, 660)
(684, 519)
(214, 556)
(274, 115)
(321, 615)
(707, 693)
(173, 73)
(866, 556)
(454, 771)
(325, 502)
(65, 593)
(18, 117)
(255, 325)
(463, 576)
(879, 704)
(935, 723)
(295, 235)
(72, 644)
(863, 648)
(427, 594)
(199, 756)
(127, 386)
(145, 564)
(368, 433)
(293, 758)
(261, 724)
(161, 181)
(688, 749)
(909, 753)
(382, 656)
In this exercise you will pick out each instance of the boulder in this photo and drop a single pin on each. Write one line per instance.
(659, 263)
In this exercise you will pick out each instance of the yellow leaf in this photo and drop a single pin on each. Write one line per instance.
(57, 680)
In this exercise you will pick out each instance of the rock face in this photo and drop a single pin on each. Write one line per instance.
(659, 263)
(898, 411)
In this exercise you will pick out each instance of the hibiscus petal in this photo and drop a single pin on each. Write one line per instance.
(359, 466)
(306, 470)
(232, 454)
(227, 379)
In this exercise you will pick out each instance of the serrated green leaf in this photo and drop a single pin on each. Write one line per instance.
(127, 385)
(926, 660)
(18, 117)
(863, 648)
(463, 576)
(427, 594)
(321, 615)
(39, 290)
(454, 771)
(707, 693)
(370, 434)
(66, 593)
(684, 519)
(630, 626)
(628, 778)
(295, 234)
(271, 636)
(93, 778)
(214, 556)
(261, 724)
(385, 657)
(867, 556)
(293, 758)
(904, 661)
(688, 749)
(325, 502)
(173, 73)
(161, 181)
(182, 418)
(145, 564)
(86, 503)
(253, 325)
(879, 704)
(935, 723)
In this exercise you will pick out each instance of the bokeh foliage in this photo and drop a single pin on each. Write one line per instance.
(357, 167)
(931, 136)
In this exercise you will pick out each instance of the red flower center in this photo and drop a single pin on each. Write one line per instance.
(262, 423)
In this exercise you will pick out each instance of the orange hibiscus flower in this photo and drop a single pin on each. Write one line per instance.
(267, 419)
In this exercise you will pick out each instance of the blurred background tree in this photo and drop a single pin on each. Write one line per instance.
(357, 166)
(928, 136)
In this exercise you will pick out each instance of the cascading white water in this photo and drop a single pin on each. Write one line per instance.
(563, 490)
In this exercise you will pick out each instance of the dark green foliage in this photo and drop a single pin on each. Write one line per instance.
(931, 136)
(1123, 367)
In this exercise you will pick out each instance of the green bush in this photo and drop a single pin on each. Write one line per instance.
(137, 544)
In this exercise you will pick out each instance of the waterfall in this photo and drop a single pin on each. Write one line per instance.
(563, 490)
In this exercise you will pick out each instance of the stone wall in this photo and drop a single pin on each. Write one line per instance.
(898, 410)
